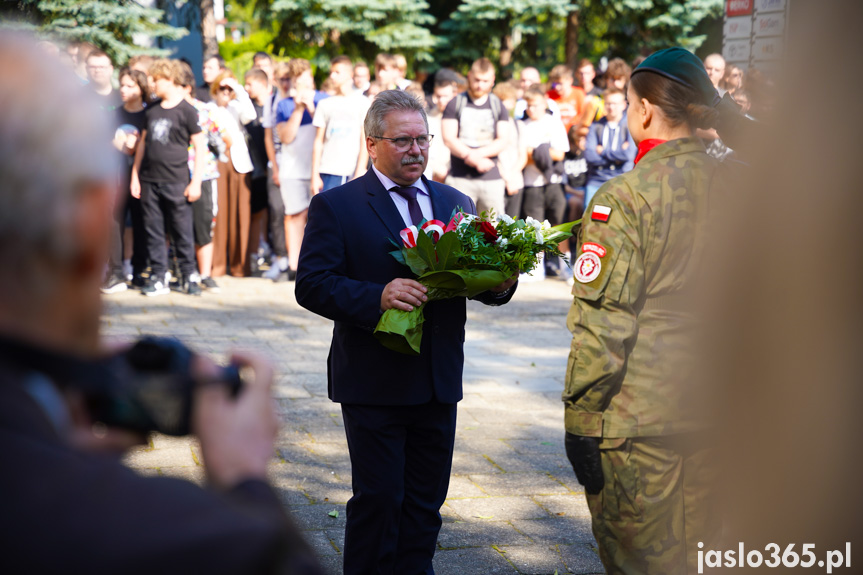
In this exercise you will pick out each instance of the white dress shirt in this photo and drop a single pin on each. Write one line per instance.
(423, 198)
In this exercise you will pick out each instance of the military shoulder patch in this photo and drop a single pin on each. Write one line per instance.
(595, 248)
(587, 267)
(600, 213)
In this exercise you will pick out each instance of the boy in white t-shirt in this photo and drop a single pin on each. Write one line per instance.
(294, 126)
(338, 153)
(547, 144)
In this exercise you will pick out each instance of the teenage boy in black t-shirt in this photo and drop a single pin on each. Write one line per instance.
(160, 177)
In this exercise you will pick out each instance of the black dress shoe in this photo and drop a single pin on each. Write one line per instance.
(288, 275)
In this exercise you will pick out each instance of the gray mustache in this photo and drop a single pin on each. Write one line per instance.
(412, 160)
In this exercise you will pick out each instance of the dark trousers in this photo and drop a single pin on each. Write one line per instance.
(512, 204)
(277, 217)
(401, 458)
(545, 203)
(127, 204)
(163, 203)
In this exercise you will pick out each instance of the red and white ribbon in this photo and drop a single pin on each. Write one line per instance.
(409, 236)
(454, 222)
(434, 228)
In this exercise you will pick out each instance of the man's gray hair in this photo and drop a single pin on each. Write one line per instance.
(391, 101)
(54, 140)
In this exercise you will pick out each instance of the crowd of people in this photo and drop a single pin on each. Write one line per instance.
(270, 142)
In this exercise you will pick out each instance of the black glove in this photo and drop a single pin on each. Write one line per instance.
(583, 454)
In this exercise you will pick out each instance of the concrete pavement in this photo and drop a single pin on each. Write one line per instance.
(513, 507)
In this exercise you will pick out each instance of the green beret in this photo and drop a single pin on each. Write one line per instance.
(684, 67)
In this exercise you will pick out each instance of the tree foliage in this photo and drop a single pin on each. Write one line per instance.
(109, 24)
(628, 28)
(357, 27)
(513, 33)
(496, 28)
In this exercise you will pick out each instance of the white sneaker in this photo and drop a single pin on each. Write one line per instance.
(277, 268)
(157, 287)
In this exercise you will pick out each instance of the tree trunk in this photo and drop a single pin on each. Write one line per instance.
(531, 42)
(507, 46)
(571, 48)
(209, 43)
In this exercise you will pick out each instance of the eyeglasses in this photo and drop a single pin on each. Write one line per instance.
(405, 143)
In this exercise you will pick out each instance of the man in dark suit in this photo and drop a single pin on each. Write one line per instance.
(69, 504)
(399, 410)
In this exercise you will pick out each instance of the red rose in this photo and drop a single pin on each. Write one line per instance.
(487, 228)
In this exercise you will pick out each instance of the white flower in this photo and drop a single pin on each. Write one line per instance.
(536, 225)
(468, 218)
(502, 241)
(506, 219)
(539, 238)
(546, 225)
(518, 233)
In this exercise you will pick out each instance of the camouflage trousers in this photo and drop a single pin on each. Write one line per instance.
(656, 505)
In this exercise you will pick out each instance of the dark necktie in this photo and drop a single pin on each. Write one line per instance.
(410, 194)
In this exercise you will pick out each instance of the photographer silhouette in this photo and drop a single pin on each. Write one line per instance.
(69, 505)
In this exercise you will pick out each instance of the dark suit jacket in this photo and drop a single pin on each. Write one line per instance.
(345, 264)
(64, 511)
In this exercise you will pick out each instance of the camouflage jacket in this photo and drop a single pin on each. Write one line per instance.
(630, 365)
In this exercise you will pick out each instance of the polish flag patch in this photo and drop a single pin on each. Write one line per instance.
(600, 213)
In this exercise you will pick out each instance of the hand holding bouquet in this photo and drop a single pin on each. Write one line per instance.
(464, 258)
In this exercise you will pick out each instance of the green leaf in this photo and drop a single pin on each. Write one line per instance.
(334, 514)
(415, 261)
(401, 330)
(399, 256)
(446, 248)
(425, 249)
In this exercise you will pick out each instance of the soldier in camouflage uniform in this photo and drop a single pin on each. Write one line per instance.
(633, 415)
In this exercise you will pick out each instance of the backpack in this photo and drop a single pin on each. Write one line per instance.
(494, 102)
(624, 130)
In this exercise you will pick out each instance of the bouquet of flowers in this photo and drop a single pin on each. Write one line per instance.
(463, 258)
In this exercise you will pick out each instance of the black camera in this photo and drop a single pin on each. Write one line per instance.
(150, 387)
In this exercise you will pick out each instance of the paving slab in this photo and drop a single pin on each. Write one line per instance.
(556, 530)
(472, 561)
(462, 534)
(495, 509)
(515, 484)
(534, 559)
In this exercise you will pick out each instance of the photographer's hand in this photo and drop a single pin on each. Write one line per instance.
(236, 434)
(86, 435)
